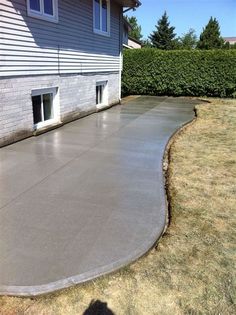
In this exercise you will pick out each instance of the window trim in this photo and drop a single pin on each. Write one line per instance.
(55, 106)
(105, 93)
(100, 31)
(41, 15)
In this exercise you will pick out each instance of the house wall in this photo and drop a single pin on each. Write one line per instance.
(30, 46)
(36, 54)
(77, 98)
(230, 40)
(125, 35)
(133, 44)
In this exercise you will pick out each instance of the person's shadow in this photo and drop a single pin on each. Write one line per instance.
(98, 308)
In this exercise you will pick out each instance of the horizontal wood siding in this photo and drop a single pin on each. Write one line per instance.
(30, 46)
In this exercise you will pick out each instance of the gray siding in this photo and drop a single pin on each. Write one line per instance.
(30, 46)
(125, 36)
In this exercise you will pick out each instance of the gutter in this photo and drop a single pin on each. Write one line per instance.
(137, 5)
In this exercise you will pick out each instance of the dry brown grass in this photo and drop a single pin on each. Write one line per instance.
(192, 271)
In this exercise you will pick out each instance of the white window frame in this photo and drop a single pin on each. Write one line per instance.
(100, 31)
(104, 84)
(55, 106)
(41, 15)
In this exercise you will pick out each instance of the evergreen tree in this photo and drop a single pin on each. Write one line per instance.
(188, 40)
(210, 37)
(163, 36)
(146, 43)
(226, 45)
(135, 33)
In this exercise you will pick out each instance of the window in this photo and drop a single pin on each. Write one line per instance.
(43, 9)
(101, 93)
(44, 104)
(101, 10)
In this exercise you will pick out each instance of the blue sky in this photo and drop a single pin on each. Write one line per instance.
(186, 14)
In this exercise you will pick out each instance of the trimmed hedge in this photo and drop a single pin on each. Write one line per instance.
(176, 73)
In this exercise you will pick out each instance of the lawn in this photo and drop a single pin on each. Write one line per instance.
(192, 268)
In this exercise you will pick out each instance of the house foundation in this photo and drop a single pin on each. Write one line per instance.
(75, 96)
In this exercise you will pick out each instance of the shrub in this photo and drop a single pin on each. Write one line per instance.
(190, 73)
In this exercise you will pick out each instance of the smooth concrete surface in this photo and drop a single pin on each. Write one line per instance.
(85, 199)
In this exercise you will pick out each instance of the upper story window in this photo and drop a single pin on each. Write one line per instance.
(101, 13)
(43, 9)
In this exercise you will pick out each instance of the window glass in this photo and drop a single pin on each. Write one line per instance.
(104, 15)
(47, 106)
(43, 9)
(48, 7)
(35, 5)
(97, 13)
(37, 114)
(99, 94)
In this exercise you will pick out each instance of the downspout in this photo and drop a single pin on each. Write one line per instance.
(121, 51)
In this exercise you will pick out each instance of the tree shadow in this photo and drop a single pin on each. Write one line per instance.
(98, 308)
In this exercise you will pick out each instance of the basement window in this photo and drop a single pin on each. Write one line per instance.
(43, 9)
(101, 93)
(45, 107)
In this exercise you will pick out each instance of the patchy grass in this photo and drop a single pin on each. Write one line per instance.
(192, 271)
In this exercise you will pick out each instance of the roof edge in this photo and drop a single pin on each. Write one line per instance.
(130, 3)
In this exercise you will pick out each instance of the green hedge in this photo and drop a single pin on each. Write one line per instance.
(193, 73)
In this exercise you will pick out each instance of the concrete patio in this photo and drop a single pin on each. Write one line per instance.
(85, 199)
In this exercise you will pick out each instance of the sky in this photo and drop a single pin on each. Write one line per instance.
(186, 14)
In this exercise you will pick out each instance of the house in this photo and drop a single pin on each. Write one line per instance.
(59, 60)
(133, 43)
(128, 41)
(230, 40)
(126, 29)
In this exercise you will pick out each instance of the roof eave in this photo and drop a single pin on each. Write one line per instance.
(130, 3)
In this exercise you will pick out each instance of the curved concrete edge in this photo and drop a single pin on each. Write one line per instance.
(26, 291)
(144, 248)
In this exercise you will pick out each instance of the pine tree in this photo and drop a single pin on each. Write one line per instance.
(188, 40)
(210, 37)
(146, 43)
(163, 36)
(135, 33)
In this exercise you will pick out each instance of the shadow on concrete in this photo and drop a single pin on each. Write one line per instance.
(98, 308)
